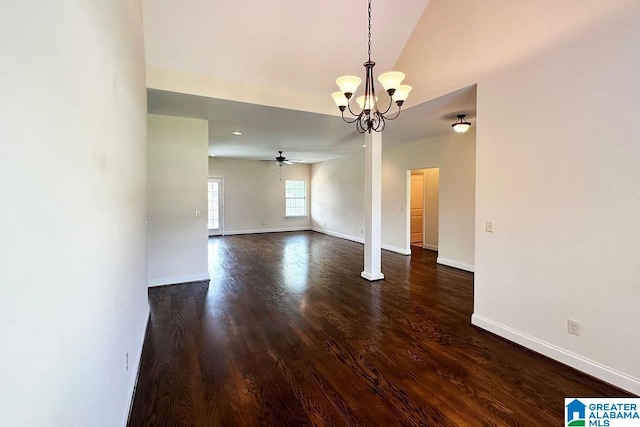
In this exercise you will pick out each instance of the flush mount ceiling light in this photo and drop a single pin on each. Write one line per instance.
(370, 117)
(236, 133)
(461, 125)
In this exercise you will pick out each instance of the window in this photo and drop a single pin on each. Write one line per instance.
(295, 195)
(214, 204)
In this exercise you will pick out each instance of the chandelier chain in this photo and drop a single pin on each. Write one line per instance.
(369, 10)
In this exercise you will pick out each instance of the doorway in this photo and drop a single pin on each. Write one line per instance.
(424, 212)
(416, 219)
(215, 206)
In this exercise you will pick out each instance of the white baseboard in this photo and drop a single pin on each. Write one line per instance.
(455, 264)
(339, 235)
(573, 360)
(162, 281)
(138, 361)
(396, 249)
(430, 247)
(361, 240)
(265, 230)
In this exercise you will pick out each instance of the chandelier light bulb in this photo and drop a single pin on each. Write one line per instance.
(340, 100)
(391, 80)
(401, 93)
(348, 84)
(369, 104)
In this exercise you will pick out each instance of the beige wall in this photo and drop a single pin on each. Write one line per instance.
(176, 189)
(72, 185)
(338, 202)
(254, 195)
(557, 150)
(454, 155)
(337, 197)
(563, 193)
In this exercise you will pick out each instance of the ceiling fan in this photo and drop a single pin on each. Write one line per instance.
(282, 160)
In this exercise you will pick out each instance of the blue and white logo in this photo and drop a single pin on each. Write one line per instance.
(601, 412)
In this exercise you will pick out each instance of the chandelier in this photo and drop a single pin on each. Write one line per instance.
(370, 117)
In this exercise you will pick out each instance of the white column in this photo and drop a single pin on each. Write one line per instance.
(373, 207)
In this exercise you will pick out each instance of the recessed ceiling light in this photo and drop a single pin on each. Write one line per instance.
(364, 145)
(236, 133)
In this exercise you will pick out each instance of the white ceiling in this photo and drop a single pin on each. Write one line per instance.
(292, 45)
(295, 47)
(301, 135)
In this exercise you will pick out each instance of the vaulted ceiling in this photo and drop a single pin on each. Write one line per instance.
(267, 69)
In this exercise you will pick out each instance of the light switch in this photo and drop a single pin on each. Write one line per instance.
(197, 214)
(489, 226)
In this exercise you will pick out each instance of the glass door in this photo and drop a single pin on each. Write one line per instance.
(215, 206)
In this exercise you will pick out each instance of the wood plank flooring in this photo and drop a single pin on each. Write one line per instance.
(288, 334)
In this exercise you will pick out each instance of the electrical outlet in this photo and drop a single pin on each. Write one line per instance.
(489, 226)
(126, 362)
(573, 327)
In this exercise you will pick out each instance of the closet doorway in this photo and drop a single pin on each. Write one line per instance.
(423, 216)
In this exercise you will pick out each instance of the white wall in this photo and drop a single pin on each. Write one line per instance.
(563, 192)
(557, 150)
(337, 199)
(454, 155)
(177, 173)
(72, 186)
(254, 195)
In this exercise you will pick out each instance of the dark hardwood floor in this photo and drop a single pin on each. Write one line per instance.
(288, 334)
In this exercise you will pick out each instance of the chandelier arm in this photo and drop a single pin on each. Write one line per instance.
(367, 89)
(381, 124)
(389, 107)
(351, 111)
(397, 114)
(370, 88)
(349, 121)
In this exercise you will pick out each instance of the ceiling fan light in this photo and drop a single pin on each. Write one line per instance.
(402, 93)
(391, 79)
(368, 104)
(461, 125)
(340, 99)
(348, 84)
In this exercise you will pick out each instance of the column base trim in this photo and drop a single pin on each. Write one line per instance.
(372, 277)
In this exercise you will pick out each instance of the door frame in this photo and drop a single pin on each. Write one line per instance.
(408, 210)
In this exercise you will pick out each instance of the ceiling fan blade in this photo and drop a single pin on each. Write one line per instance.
(288, 162)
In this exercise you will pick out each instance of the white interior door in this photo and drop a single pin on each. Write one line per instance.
(215, 216)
